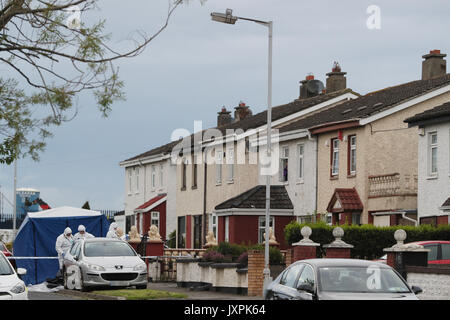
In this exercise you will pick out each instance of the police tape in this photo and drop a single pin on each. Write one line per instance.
(146, 257)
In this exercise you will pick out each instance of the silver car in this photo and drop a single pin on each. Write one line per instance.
(340, 279)
(103, 262)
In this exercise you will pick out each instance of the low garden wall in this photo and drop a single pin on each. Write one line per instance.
(224, 277)
(434, 281)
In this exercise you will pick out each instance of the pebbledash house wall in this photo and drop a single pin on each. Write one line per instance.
(302, 192)
(190, 200)
(136, 196)
(384, 146)
(434, 190)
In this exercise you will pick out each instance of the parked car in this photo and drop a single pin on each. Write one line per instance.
(439, 254)
(5, 250)
(340, 279)
(11, 286)
(103, 262)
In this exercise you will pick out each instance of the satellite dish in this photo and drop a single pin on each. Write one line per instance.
(314, 87)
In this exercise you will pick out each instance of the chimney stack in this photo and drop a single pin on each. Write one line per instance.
(434, 65)
(224, 117)
(241, 112)
(303, 89)
(336, 79)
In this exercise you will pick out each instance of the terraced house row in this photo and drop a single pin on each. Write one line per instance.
(380, 158)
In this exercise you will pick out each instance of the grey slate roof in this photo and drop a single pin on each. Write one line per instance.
(440, 114)
(256, 120)
(255, 198)
(446, 203)
(369, 104)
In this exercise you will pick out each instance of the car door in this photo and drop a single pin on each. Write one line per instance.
(72, 254)
(286, 288)
(307, 277)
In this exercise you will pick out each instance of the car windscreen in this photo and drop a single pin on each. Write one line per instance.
(372, 279)
(108, 249)
(5, 267)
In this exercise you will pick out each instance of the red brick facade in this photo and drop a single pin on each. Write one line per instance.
(255, 273)
(304, 252)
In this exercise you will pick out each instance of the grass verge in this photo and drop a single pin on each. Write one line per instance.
(143, 294)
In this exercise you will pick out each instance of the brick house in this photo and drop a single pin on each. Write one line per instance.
(434, 164)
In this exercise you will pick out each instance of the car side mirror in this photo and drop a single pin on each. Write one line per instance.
(75, 258)
(416, 289)
(306, 287)
(21, 271)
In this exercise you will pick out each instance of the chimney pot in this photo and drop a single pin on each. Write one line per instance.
(310, 77)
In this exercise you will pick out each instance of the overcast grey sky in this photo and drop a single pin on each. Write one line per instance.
(196, 66)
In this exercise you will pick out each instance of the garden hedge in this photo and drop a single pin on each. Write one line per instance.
(368, 240)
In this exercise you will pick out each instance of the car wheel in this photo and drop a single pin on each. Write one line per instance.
(270, 296)
(83, 288)
(65, 279)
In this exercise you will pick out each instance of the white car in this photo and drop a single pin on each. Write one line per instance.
(11, 287)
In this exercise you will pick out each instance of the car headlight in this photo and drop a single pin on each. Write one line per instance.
(18, 288)
(140, 267)
(94, 267)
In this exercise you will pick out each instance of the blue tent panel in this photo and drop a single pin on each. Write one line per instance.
(37, 238)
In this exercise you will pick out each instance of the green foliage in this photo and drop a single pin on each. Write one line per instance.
(237, 252)
(368, 240)
(172, 242)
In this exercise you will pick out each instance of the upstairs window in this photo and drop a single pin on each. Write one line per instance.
(301, 151)
(130, 184)
(161, 175)
(230, 164)
(194, 172)
(137, 179)
(352, 155)
(284, 158)
(334, 157)
(183, 175)
(432, 153)
(219, 157)
(153, 177)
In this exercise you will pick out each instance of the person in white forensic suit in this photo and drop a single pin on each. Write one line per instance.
(112, 233)
(82, 233)
(63, 244)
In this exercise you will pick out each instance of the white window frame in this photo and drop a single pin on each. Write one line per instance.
(352, 161)
(284, 156)
(219, 160)
(153, 178)
(213, 224)
(157, 218)
(300, 162)
(230, 164)
(335, 157)
(262, 227)
(136, 174)
(432, 146)
(130, 181)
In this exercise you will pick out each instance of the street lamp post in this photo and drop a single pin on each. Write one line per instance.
(228, 18)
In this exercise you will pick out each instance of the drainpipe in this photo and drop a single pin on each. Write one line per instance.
(416, 223)
(204, 197)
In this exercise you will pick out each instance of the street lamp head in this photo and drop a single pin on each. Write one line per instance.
(226, 17)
